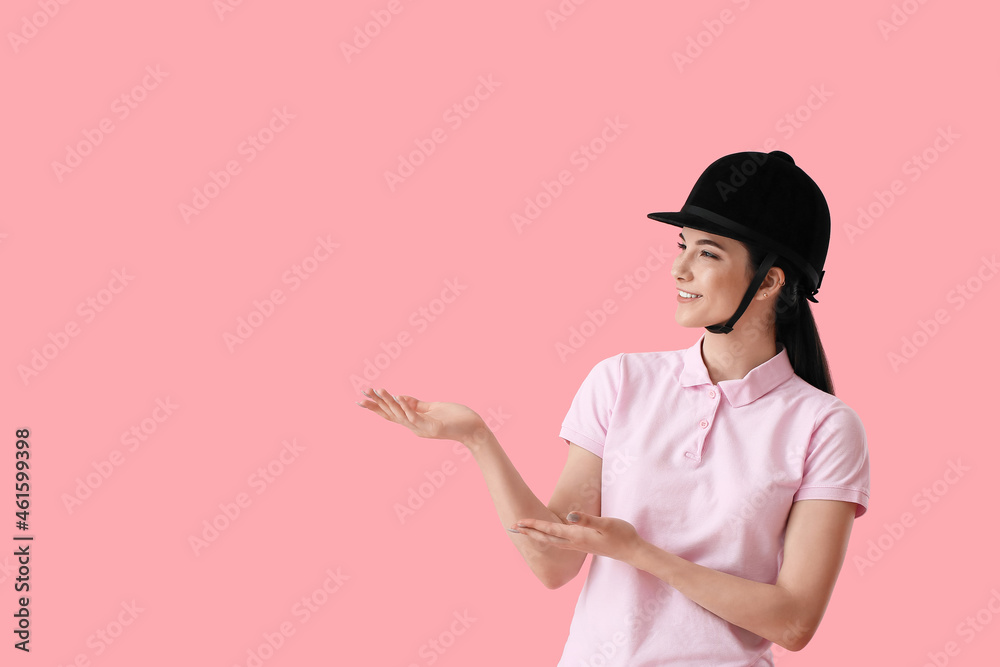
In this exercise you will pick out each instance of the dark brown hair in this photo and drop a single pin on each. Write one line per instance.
(794, 325)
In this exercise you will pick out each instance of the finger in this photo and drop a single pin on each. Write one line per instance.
(405, 405)
(379, 398)
(547, 527)
(368, 404)
(539, 536)
(392, 404)
(377, 406)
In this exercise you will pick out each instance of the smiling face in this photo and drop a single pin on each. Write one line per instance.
(715, 269)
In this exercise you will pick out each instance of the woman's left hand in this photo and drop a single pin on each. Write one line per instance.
(598, 535)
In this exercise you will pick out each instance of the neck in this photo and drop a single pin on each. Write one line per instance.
(731, 356)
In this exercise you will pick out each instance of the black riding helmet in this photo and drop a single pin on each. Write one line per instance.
(766, 199)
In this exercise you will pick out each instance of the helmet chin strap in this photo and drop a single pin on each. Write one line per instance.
(758, 278)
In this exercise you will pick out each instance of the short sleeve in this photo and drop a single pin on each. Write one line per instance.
(836, 463)
(589, 416)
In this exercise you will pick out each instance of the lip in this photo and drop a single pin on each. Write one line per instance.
(681, 299)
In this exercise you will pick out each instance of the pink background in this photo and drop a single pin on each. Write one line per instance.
(493, 347)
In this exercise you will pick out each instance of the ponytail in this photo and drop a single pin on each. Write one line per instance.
(794, 325)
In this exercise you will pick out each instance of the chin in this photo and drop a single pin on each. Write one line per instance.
(686, 322)
(689, 322)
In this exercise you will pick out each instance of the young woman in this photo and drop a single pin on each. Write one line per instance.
(716, 486)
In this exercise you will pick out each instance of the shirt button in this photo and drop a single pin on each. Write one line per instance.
(690, 455)
(703, 424)
(712, 394)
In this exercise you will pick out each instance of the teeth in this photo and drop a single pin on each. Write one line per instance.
(688, 295)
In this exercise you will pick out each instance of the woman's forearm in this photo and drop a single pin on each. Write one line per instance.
(514, 500)
(766, 610)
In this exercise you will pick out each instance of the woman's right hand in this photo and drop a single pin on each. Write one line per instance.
(436, 420)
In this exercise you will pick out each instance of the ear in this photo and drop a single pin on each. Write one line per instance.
(774, 279)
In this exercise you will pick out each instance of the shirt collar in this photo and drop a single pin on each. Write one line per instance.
(757, 382)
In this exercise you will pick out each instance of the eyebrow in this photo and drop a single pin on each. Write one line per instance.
(705, 242)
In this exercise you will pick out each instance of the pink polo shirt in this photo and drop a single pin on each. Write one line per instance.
(709, 473)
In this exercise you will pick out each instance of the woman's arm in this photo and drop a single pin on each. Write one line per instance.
(787, 612)
(578, 488)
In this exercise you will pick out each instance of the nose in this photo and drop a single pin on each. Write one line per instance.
(679, 269)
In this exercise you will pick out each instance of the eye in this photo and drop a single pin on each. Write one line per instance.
(704, 252)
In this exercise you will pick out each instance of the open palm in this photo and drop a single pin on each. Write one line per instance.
(435, 419)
